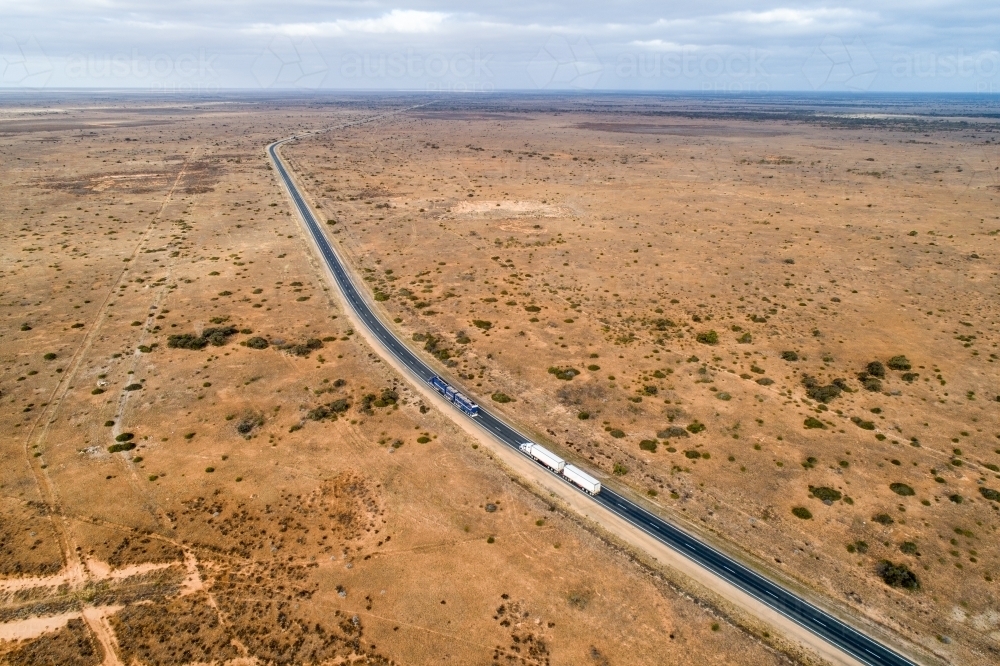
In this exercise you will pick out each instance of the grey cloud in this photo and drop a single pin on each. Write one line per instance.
(718, 45)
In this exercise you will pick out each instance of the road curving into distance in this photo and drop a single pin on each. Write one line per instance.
(839, 634)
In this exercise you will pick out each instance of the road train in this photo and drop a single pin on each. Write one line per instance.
(571, 473)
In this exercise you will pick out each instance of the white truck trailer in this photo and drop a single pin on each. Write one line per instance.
(580, 478)
(544, 456)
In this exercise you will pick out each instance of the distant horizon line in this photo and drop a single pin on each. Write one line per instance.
(498, 91)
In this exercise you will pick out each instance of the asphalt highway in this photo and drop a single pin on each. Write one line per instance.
(834, 631)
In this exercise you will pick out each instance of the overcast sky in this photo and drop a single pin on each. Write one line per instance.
(756, 45)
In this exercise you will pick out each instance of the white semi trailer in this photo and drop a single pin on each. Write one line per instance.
(544, 456)
(580, 478)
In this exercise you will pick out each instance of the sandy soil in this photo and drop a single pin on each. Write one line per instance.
(258, 487)
(696, 319)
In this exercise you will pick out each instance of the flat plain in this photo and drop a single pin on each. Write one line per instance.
(778, 329)
(204, 463)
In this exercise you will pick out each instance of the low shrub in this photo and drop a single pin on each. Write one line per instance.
(876, 369)
(812, 422)
(620, 469)
(133, 387)
(908, 547)
(897, 575)
(583, 416)
(672, 431)
(861, 423)
(483, 324)
(883, 519)
(899, 363)
(248, 422)
(648, 445)
(125, 437)
(695, 427)
(691, 454)
(501, 397)
(789, 356)
(124, 446)
(901, 489)
(565, 374)
(820, 393)
(329, 410)
(825, 494)
(616, 433)
(708, 337)
(802, 512)
(765, 381)
(257, 343)
(990, 494)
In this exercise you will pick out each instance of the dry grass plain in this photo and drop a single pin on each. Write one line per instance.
(782, 333)
(202, 461)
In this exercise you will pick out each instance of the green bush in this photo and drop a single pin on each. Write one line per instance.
(691, 454)
(423, 439)
(565, 374)
(695, 427)
(802, 512)
(812, 422)
(820, 393)
(532, 308)
(858, 546)
(745, 339)
(126, 446)
(49, 357)
(990, 494)
(901, 489)
(789, 356)
(876, 369)
(899, 363)
(708, 337)
(765, 381)
(125, 437)
(501, 397)
(883, 519)
(825, 494)
(593, 367)
(583, 416)
(861, 423)
(620, 469)
(483, 324)
(672, 431)
(133, 387)
(648, 445)
(257, 343)
(897, 575)
(908, 547)
(616, 433)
